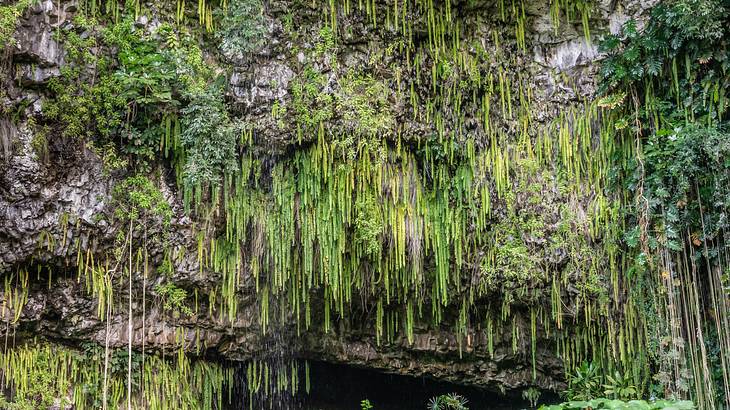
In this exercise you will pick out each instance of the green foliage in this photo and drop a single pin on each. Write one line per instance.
(325, 43)
(597, 404)
(166, 78)
(311, 105)
(86, 102)
(368, 226)
(451, 401)
(139, 96)
(209, 137)
(584, 383)
(110, 157)
(93, 354)
(365, 405)
(173, 298)
(677, 163)
(532, 395)
(677, 29)
(48, 376)
(41, 388)
(669, 84)
(619, 386)
(242, 28)
(514, 264)
(146, 78)
(355, 109)
(363, 104)
(9, 14)
(85, 111)
(156, 76)
(39, 143)
(311, 227)
(137, 197)
(145, 75)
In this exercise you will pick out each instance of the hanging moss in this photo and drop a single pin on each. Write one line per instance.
(38, 376)
(487, 215)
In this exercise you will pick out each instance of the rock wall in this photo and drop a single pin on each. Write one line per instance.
(56, 207)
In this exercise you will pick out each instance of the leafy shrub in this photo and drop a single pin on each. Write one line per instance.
(451, 401)
(242, 28)
(156, 76)
(86, 101)
(173, 298)
(9, 15)
(209, 137)
(584, 383)
(311, 104)
(137, 196)
(146, 77)
(675, 160)
(694, 27)
(84, 110)
(138, 97)
(597, 404)
(620, 386)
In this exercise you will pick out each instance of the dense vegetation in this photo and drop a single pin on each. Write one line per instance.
(625, 197)
(672, 78)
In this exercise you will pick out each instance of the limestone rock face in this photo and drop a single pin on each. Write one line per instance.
(38, 55)
(55, 193)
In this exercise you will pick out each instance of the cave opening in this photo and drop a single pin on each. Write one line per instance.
(344, 387)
